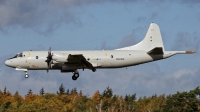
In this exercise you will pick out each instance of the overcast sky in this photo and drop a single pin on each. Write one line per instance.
(96, 25)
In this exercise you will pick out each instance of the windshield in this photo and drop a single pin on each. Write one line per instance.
(20, 55)
(14, 56)
(17, 55)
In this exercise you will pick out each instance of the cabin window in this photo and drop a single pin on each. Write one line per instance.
(111, 56)
(36, 57)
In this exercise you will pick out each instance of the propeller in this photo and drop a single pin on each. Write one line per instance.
(49, 60)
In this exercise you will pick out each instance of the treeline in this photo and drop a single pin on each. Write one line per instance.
(75, 101)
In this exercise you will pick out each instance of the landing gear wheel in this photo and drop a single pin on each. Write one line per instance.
(76, 75)
(26, 76)
(73, 77)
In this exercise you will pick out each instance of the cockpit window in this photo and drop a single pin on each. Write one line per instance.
(20, 55)
(14, 56)
(17, 55)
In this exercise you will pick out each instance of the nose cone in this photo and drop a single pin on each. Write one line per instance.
(8, 63)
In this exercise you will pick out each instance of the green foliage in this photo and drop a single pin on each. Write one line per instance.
(67, 92)
(71, 101)
(183, 102)
(61, 90)
(30, 92)
(108, 93)
(42, 91)
(4, 91)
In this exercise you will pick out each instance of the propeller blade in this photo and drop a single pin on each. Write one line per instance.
(49, 51)
(49, 59)
(49, 66)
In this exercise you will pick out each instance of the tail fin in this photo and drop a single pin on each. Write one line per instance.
(152, 39)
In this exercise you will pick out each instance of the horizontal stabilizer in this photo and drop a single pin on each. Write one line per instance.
(156, 51)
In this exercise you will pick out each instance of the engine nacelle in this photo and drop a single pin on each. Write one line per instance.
(60, 57)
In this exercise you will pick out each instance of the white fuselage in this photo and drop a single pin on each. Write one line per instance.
(35, 60)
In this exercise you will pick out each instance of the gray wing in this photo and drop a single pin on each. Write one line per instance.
(80, 58)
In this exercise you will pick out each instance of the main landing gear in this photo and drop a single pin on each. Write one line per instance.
(76, 75)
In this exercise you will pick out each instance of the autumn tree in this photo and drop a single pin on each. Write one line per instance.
(105, 102)
(18, 97)
(96, 101)
(73, 91)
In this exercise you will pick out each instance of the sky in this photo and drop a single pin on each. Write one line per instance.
(97, 25)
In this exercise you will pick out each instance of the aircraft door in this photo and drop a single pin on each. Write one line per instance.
(108, 60)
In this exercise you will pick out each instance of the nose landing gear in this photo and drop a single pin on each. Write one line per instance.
(26, 74)
(25, 70)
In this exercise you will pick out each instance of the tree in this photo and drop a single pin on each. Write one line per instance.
(7, 105)
(61, 90)
(67, 92)
(96, 96)
(17, 97)
(16, 93)
(108, 93)
(30, 92)
(1, 97)
(106, 96)
(183, 101)
(96, 101)
(80, 93)
(42, 91)
(4, 91)
(130, 100)
(74, 91)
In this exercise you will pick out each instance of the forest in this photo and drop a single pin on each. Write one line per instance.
(75, 101)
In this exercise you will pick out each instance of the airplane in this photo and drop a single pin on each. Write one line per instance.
(150, 49)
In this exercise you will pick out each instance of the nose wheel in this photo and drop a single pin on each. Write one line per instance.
(76, 75)
(26, 74)
(25, 70)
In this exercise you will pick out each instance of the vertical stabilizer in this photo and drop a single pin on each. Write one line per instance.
(152, 39)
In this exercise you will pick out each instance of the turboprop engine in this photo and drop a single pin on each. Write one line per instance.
(60, 57)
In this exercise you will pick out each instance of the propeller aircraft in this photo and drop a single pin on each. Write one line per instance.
(150, 49)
